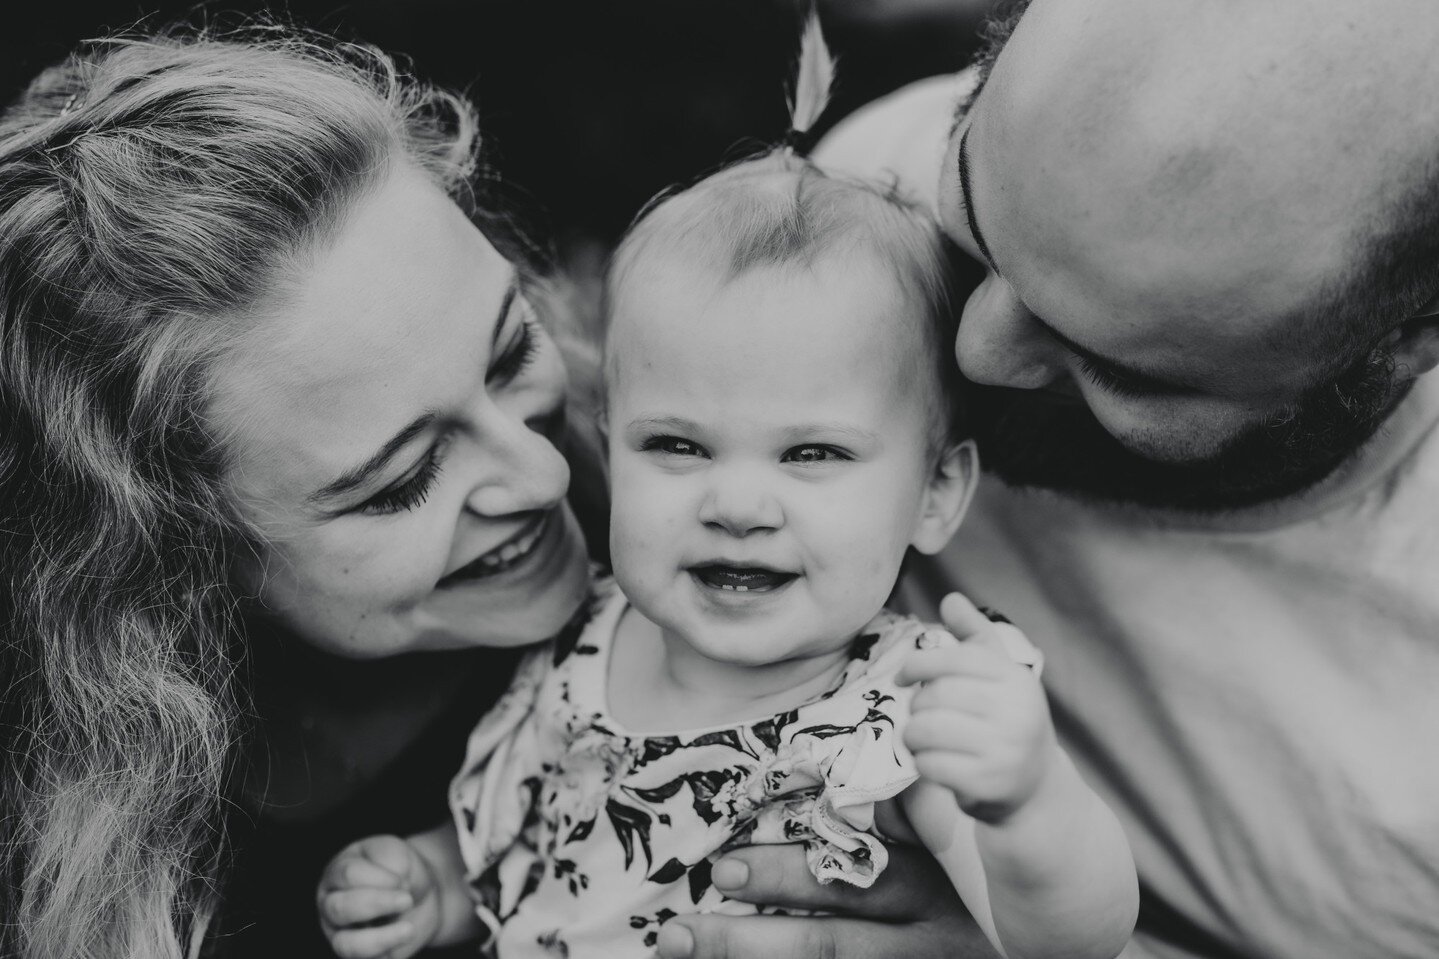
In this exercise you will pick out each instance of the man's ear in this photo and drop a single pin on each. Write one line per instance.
(946, 498)
(1415, 344)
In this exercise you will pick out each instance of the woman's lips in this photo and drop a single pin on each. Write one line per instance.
(507, 555)
(739, 578)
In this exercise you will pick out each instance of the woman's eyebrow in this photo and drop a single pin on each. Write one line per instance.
(356, 477)
(352, 479)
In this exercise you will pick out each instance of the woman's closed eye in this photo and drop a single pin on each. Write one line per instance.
(519, 349)
(815, 453)
(411, 491)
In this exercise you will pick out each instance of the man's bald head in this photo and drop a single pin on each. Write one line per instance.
(1232, 202)
(1286, 144)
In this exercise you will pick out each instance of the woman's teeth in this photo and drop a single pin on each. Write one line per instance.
(507, 555)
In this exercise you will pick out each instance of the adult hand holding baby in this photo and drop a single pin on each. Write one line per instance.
(912, 909)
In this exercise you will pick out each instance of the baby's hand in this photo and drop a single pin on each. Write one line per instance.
(979, 724)
(378, 898)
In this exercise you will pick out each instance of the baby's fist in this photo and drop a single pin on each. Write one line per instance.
(378, 898)
(979, 724)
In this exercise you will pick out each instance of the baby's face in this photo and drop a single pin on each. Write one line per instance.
(769, 457)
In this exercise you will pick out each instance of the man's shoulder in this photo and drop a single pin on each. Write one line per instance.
(901, 136)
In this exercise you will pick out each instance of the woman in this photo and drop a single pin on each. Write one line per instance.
(274, 414)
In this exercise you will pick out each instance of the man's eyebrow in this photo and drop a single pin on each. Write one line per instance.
(357, 476)
(1123, 371)
(967, 192)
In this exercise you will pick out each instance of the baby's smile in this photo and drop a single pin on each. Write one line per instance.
(740, 577)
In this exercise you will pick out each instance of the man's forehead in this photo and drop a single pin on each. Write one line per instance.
(1094, 193)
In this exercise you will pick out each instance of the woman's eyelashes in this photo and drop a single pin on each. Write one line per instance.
(410, 492)
(518, 353)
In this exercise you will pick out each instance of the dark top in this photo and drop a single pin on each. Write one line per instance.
(269, 901)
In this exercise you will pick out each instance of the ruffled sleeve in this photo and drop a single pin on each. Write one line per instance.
(492, 798)
(871, 764)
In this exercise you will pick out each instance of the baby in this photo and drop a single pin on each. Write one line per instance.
(783, 427)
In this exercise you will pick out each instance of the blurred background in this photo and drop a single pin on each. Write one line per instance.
(589, 107)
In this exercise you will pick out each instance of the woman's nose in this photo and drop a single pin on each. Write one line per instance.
(1001, 343)
(739, 503)
(521, 467)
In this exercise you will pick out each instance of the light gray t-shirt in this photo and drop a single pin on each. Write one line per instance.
(1255, 693)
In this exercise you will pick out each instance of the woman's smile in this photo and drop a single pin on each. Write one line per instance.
(506, 556)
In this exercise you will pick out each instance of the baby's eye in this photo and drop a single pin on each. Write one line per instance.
(673, 445)
(813, 454)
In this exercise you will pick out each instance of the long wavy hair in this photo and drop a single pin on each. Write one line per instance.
(151, 189)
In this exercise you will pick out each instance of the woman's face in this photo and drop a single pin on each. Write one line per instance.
(391, 420)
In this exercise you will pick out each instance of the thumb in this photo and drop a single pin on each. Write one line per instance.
(971, 624)
(390, 853)
(961, 617)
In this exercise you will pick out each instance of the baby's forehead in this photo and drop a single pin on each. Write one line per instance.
(849, 299)
(779, 330)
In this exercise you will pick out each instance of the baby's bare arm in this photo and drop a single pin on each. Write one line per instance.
(1022, 836)
(440, 848)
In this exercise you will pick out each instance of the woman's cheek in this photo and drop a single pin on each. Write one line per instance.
(393, 563)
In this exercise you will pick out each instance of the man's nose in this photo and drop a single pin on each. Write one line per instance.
(1001, 343)
(739, 502)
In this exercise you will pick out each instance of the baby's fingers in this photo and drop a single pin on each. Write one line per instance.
(961, 617)
(352, 907)
(977, 658)
(394, 941)
(350, 871)
(943, 730)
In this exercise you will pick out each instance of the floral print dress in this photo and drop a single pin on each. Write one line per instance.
(580, 839)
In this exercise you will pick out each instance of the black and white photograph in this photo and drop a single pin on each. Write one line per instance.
(719, 479)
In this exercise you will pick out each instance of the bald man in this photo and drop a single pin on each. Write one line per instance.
(1208, 234)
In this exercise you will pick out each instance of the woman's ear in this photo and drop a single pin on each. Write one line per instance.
(946, 498)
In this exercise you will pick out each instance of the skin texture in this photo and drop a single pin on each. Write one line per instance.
(1175, 186)
(407, 315)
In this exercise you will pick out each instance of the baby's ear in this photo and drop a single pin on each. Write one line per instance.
(951, 486)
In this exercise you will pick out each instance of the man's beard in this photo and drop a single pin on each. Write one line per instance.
(1033, 439)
